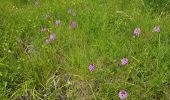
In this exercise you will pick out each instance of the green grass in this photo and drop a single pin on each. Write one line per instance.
(104, 35)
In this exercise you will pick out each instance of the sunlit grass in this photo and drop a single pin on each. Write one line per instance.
(46, 50)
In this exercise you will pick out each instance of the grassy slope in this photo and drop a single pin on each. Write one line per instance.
(103, 36)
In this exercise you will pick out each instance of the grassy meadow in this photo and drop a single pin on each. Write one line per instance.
(43, 56)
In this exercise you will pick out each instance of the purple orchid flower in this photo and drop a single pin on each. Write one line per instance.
(92, 67)
(123, 94)
(74, 24)
(156, 29)
(52, 36)
(57, 23)
(48, 16)
(124, 61)
(48, 41)
(137, 32)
